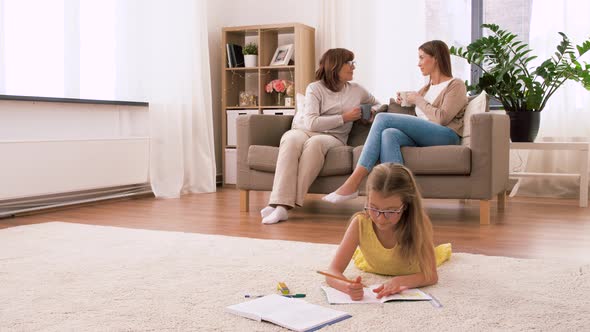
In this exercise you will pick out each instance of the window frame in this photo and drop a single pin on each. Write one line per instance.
(476, 33)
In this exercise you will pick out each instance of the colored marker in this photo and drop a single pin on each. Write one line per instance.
(252, 296)
(295, 295)
(282, 287)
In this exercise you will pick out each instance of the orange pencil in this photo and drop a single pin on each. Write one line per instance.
(337, 277)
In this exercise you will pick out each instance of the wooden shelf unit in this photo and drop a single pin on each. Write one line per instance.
(300, 71)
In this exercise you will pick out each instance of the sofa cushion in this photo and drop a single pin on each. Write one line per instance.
(433, 160)
(477, 104)
(264, 158)
(438, 160)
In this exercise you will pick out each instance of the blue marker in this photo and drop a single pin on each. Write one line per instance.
(252, 296)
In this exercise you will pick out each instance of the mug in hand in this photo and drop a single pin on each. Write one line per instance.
(403, 95)
(366, 111)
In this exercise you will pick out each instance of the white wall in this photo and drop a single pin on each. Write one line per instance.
(249, 12)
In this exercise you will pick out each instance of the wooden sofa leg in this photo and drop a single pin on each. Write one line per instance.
(501, 201)
(244, 200)
(484, 212)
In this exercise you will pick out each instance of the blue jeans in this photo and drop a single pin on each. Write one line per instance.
(391, 131)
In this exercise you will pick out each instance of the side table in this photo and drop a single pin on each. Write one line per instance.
(583, 147)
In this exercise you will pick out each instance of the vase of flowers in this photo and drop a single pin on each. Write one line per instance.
(279, 87)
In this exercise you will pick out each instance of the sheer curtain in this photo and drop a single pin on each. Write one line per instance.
(2, 54)
(385, 36)
(162, 52)
(154, 50)
(567, 114)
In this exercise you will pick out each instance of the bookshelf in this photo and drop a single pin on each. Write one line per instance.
(244, 82)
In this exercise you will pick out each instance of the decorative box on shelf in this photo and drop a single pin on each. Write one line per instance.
(279, 111)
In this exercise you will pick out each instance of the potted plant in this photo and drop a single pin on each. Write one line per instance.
(250, 52)
(523, 90)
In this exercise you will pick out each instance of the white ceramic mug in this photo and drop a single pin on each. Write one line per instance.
(403, 95)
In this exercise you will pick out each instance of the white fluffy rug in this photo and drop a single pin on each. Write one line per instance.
(69, 277)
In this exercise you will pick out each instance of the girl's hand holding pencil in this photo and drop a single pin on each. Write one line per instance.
(354, 288)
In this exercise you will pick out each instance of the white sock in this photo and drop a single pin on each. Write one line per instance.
(337, 198)
(279, 214)
(266, 211)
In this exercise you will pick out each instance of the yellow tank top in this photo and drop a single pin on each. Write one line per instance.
(371, 256)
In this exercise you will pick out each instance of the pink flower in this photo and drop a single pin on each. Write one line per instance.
(279, 85)
(268, 88)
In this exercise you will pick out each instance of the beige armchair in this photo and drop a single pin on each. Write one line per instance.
(478, 169)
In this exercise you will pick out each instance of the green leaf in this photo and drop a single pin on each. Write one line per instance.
(520, 48)
(583, 48)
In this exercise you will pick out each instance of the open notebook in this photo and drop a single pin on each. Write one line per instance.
(337, 297)
(294, 314)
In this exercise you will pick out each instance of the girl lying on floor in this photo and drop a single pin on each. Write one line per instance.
(393, 236)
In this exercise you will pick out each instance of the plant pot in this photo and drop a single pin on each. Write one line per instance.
(524, 126)
(250, 60)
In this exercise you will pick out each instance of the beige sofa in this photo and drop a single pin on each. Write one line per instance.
(477, 169)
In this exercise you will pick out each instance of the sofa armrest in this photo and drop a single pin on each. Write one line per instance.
(490, 152)
(257, 129)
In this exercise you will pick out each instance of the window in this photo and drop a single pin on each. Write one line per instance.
(511, 15)
(59, 48)
(449, 21)
(33, 47)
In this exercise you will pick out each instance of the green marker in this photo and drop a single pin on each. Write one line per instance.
(295, 295)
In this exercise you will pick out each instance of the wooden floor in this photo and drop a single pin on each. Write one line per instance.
(529, 228)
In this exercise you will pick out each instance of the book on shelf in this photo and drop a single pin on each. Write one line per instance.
(291, 313)
(235, 58)
(337, 297)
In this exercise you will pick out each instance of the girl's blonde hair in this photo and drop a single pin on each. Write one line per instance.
(414, 230)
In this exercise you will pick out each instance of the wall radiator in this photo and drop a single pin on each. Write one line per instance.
(52, 173)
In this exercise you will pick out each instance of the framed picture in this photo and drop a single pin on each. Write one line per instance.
(282, 55)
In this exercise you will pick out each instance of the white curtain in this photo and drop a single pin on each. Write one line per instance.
(385, 36)
(567, 114)
(2, 38)
(163, 54)
(153, 50)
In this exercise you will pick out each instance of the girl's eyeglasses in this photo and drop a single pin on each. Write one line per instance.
(351, 63)
(388, 214)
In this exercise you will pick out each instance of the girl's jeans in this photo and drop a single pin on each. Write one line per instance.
(391, 131)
